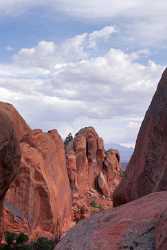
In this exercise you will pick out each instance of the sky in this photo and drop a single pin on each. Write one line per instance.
(68, 64)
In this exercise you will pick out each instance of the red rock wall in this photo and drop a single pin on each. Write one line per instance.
(41, 184)
(20, 126)
(34, 203)
(39, 201)
(93, 173)
(87, 159)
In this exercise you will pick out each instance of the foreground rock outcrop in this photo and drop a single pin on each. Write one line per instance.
(147, 170)
(139, 225)
(38, 190)
(93, 172)
(33, 203)
(9, 157)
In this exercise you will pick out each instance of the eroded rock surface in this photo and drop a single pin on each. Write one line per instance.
(20, 126)
(39, 200)
(41, 192)
(56, 186)
(147, 170)
(138, 225)
(93, 173)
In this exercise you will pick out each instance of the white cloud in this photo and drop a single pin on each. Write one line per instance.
(67, 87)
(139, 20)
(104, 34)
(94, 9)
(86, 9)
(49, 54)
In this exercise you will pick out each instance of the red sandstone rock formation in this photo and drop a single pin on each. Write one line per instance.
(139, 224)
(39, 200)
(41, 191)
(20, 126)
(87, 160)
(9, 157)
(90, 168)
(147, 170)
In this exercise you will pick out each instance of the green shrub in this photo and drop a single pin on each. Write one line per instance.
(21, 242)
(95, 205)
(21, 238)
(10, 238)
(68, 139)
(122, 173)
(43, 244)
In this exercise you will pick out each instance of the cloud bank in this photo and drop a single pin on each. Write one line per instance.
(140, 20)
(76, 84)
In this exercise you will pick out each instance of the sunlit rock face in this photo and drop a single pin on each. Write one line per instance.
(41, 192)
(57, 185)
(147, 170)
(93, 172)
(9, 155)
(87, 161)
(20, 126)
(39, 200)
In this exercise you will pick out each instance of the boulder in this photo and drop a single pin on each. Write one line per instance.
(138, 225)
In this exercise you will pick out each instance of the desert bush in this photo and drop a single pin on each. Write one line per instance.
(95, 205)
(43, 244)
(21, 242)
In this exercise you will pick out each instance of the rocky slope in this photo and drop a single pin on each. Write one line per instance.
(138, 225)
(9, 157)
(147, 170)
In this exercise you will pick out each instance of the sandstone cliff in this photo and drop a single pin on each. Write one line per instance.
(38, 190)
(147, 170)
(20, 126)
(57, 185)
(33, 203)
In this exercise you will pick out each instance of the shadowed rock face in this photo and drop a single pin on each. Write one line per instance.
(9, 157)
(138, 225)
(147, 170)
